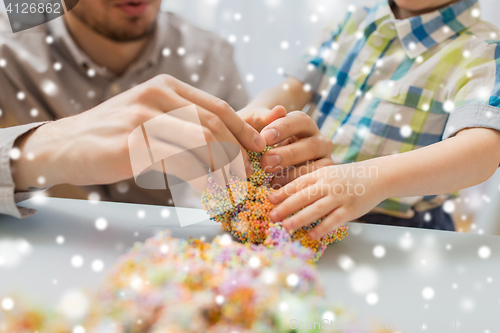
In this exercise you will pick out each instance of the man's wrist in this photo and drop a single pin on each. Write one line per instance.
(36, 168)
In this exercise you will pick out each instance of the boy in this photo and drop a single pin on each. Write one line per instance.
(408, 92)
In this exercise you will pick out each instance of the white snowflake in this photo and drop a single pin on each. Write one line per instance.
(292, 280)
(77, 261)
(181, 51)
(484, 252)
(49, 87)
(15, 153)
(141, 214)
(363, 279)
(101, 223)
(7, 303)
(405, 131)
(449, 106)
(94, 198)
(254, 262)
(428, 293)
(97, 265)
(372, 298)
(165, 213)
(379, 251)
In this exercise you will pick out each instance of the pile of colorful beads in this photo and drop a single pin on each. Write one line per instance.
(169, 285)
(242, 208)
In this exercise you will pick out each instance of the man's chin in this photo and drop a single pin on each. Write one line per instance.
(132, 31)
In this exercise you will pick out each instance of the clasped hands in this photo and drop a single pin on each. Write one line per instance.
(93, 148)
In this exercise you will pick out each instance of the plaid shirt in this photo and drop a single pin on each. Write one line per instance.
(385, 86)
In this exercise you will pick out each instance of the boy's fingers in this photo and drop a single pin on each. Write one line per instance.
(311, 213)
(307, 149)
(295, 202)
(290, 189)
(333, 221)
(292, 173)
(296, 123)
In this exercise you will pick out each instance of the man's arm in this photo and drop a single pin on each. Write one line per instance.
(469, 158)
(93, 147)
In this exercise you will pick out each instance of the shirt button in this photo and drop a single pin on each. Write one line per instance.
(115, 89)
(377, 41)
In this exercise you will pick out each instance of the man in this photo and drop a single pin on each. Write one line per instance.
(94, 52)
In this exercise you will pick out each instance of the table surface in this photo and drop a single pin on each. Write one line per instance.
(463, 282)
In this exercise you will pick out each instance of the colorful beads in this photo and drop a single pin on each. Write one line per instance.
(242, 208)
(174, 285)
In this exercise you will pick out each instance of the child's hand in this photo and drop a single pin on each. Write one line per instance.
(341, 193)
(301, 148)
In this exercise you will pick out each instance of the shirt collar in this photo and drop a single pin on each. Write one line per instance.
(150, 55)
(420, 33)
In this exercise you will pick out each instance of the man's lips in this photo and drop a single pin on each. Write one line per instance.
(133, 8)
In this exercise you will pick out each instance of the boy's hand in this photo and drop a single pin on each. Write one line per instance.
(341, 193)
(301, 147)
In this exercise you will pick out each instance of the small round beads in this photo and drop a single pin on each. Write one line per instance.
(242, 208)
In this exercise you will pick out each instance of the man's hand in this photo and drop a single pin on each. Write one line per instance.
(301, 148)
(92, 147)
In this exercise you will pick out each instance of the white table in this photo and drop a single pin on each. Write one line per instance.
(414, 259)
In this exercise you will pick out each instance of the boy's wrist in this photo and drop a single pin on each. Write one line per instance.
(383, 178)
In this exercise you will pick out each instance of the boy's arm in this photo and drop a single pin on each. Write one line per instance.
(290, 94)
(467, 159)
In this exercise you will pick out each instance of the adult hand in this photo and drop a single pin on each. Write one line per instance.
(301, 148)
(92, 147)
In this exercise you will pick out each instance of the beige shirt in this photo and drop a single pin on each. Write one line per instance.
(45, 76)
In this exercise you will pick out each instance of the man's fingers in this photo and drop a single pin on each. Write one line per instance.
(306, 149)
(183, 134)
(282, 178)
(222, 153)
(295, 123)
(248, 136)
(295, 202)
(182, 164)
